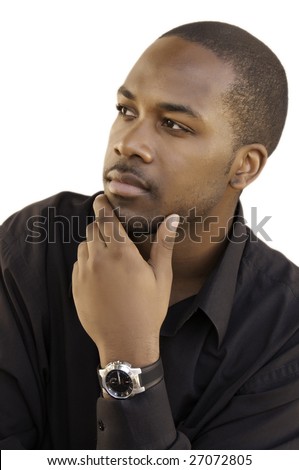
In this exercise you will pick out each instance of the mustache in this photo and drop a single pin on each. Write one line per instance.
(125, 168)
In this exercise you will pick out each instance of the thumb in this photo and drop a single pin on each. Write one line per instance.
(162, 249)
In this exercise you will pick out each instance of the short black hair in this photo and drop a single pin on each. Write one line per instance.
(258, 98)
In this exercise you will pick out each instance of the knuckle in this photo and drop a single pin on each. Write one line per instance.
(124, 251)
(75, 270)
(81, 248)
(167, 242)
(95, 263)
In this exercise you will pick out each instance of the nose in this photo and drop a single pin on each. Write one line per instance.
(135, 142)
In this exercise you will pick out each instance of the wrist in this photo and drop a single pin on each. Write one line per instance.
(119, 380)
(142, 356)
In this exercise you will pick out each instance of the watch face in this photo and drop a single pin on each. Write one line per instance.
(119, 384)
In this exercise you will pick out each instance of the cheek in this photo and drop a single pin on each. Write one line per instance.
(199, 176)
(187, 165)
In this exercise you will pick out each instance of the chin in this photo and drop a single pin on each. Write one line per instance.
(138, 217)
(137, 225)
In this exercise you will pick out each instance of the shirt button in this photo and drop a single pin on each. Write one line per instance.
(101, 425)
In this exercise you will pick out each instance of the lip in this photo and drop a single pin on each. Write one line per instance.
(126, 184)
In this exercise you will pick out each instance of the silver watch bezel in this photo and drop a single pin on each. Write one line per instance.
(125, 367)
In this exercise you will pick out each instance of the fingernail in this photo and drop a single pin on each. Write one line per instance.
(173, 222)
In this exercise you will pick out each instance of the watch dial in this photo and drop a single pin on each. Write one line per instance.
(119, 383)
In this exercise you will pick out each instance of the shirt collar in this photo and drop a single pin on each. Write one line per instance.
(215, 299)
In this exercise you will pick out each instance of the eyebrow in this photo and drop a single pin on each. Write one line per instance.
(125, 92)
(179, 108)
(170, 107)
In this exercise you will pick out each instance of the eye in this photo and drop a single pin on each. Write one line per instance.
(175, 126)
(124, 111)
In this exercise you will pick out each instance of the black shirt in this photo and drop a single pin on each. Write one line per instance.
(230, 353)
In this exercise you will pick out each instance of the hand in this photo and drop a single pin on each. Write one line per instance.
(121, 299)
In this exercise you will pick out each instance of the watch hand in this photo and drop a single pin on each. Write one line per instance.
(118, 376)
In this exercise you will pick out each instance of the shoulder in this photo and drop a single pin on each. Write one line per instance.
(269, 267)
(65, 203)
(31, 228)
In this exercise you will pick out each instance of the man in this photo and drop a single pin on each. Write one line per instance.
(189, 325)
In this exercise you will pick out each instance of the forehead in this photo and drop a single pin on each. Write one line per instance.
(180, 70)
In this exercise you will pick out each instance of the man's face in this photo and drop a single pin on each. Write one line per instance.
(171, 144)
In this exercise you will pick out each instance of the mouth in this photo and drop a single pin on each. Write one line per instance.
(126, 184)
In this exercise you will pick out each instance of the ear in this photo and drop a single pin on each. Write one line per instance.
(248, 164)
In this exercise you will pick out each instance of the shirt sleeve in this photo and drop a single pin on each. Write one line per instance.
(141, 422)
(17, 389)
(22, 406)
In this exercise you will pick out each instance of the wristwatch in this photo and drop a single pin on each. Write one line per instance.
(120, 380)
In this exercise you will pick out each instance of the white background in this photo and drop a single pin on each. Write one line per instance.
(61, 62)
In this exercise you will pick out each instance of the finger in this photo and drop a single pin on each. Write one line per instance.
(162, 250)
(75, 273)
(93, 234)
(111, 230)
(82, 251)
(75, 270)
(96, 245)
